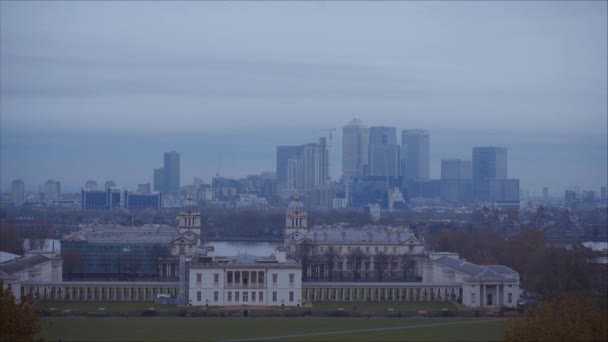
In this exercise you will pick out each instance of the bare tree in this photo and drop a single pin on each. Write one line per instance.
(380, 262)
(304, 254)
(408, 265)
(330, 257)
(356, 258)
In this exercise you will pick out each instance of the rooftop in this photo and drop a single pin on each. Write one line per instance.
(21, 264)
(477, 272)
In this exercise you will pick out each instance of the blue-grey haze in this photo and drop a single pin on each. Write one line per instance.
(99, 90)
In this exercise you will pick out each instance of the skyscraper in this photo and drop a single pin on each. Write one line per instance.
(456, 179)
(109, 184)
(52, 191)
(489, 163)
(415, 154)
(91, 185)
(171, 170)
(159, 180)
(355, 141)
(284, 153)
(383, 152)
(18, 191)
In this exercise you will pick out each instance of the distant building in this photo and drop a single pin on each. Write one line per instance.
(18, 192)
(355, 142)
(570, 197)
(251, 201)
(283, 167)
(159, 180)
(504, 191)
(91, 185)
(589, 197)
(138, 201)
(94, 199)
(456, 180)
(109, 184)
(603, 194)
(172, 173)
(52, 191)
(489, 163)
(113, 198)
(144, 188)
(545, 195)
(415, 154)
(384, 152)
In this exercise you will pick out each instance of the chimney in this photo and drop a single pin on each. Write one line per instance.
(280, 254)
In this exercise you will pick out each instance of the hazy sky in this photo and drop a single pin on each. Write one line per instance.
(100, 89)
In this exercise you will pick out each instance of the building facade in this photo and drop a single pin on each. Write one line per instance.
(171, 172)
(245, 280)
(52, 191)
(456, 180)
(415, 154)
(355, 142)
(18, 191)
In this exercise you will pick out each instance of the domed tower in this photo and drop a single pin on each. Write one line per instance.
(190, 218)
(296, 217)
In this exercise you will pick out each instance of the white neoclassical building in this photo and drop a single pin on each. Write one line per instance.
(245, 280)
(35, 266)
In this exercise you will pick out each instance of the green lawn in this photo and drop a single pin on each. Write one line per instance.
(383, 306)
(191, 329)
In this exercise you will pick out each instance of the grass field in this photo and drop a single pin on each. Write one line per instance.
(218, 329)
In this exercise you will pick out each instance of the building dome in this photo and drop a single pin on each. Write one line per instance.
(296, 206)
(189, 205)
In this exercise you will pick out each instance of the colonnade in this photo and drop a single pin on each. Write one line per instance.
(384, 292)
(110, 291)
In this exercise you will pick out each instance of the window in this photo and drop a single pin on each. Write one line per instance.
(274, 296)
(510, 298)
(198, 296)
(411, 249)
(230, 296)
(216, 278)
(292, 278)
(291, 296)
(253, 296)
(376, 249)
(340, 249)
(261, 296)
(229, 277)
(216, 296)
(472, 298)
(237, 276)
(367, 249)
(394, 249)
(245, 296)
(385, 249)
(261, 277)
(275, 278)
(199, 278)
(322, 249)
(236, 296)
(348, 248)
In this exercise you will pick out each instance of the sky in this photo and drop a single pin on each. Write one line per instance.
(99, 90)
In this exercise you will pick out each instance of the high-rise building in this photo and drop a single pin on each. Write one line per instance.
(159, 180)
(284, 153)
(295, 173)
(570, 197)
(18, 191)
(310, 165)
(355, 142)
(415, 154)
(91, 185)
(137, 201)
(383, 153)
(113, 197)
(456, 180)
(94, 199)
(52, 191)
(323, 163)
(489, 163)
(172, 172)
(603, 194)
(143, 188)
(504, 190)
(109, 184)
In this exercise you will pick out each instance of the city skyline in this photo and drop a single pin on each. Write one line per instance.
(85, 89)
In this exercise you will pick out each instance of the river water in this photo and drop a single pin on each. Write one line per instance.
(230, 248)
